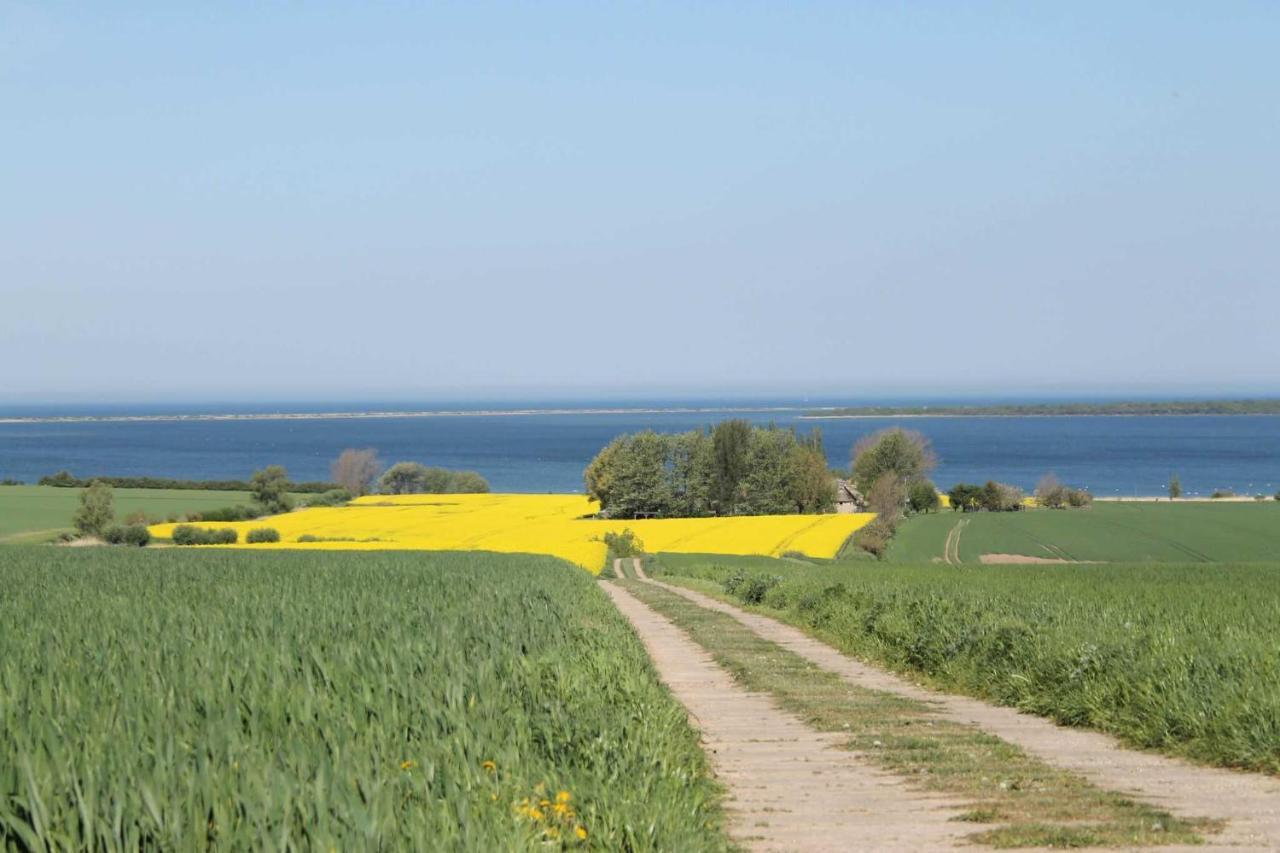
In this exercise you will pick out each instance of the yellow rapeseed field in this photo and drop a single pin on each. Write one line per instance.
(536, 524)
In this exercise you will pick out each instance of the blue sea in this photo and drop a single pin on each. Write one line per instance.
(546, 452)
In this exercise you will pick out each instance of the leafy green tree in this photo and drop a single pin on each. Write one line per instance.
(731, 446)
(269, 488)
(404, 478)
(602, 470)
(964, 497)
(467, 483)
(922, 496)
(812, 486)
(766, 485)
(692, 473)
(1175, 487)
(96, 511)
(904, 453)
(640, 485)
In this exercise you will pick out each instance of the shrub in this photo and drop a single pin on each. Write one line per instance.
(1001, 497)
(624, 544)
(262, 534)
(1079, 498)
(964, 497)
(1050, 492)
(9, 481)
(138, 517)
(333, 497)
(62, 479)
(132, 534)
(96, 510)
(186, 534)
(750, 589)
(1222, 493)
(874, 538)
(226, 513)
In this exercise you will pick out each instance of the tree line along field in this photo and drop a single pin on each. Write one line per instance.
(1120, 531)
(1179, 658)
(38, 513)
(174, 699)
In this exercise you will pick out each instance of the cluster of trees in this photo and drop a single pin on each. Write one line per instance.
(731, 469)
(358, 470)
(1053, 494)
(65, 479)
(413, 478)
(891, 468)
(992, 497)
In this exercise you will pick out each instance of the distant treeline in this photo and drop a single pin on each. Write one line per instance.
(733, 469)
(1174, 407)
(64, 479)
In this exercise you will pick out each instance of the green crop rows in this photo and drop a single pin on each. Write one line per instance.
(1181, 658)
(166, 699)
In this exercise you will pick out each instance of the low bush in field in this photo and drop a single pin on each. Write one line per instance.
(226, 513)
(331, 700)
(262, 534)
(187, 534)
(1174, 657)
(131, 534)
(333, 497)
(624, 544)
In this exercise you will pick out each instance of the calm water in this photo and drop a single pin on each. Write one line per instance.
(547, 452)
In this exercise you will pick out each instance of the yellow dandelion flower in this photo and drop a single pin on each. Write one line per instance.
(408, 764)
(581, 832)
(563, 797)
(489, 765)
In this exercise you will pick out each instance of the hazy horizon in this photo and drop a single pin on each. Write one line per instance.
(280, 203)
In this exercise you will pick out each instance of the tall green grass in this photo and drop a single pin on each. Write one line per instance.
(1180, 658)
(345, 700)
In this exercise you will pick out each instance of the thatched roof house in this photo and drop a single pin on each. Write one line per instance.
(848, 498)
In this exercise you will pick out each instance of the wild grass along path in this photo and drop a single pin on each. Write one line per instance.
(1249, 803)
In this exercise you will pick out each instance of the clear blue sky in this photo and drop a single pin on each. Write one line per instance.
(385, 200)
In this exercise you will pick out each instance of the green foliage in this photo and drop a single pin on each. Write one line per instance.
(906, 454)
(330, 700)
(1002, 497)
(922, 496)
(225, 513)
(96, 510)
(624, 544)
(64, 479)
(414, 478)
(187, 534)
(1175, 487)
(762, 471)
(1079, 498)
(874, 538)
(1177, 658)
(270, 489)
(730, 448)
(965, 497)
(333, 497)
(131, 534)
(262, 534)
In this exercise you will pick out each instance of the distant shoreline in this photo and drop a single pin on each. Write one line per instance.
(1174, 408)
(324, 416)
(1177, 409)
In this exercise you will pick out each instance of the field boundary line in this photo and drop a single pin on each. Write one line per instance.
(790, 787)
(1248, 802)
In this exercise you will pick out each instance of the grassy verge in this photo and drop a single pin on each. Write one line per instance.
(1030, 803)
(39, 513)
(1182, 659)
(175, 700)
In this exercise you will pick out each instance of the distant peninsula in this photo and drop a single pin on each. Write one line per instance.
(1024, 410)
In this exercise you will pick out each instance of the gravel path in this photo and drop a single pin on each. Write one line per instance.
(790, 787)
(1248, 802)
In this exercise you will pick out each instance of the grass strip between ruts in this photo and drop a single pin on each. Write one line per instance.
(1028, 802)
